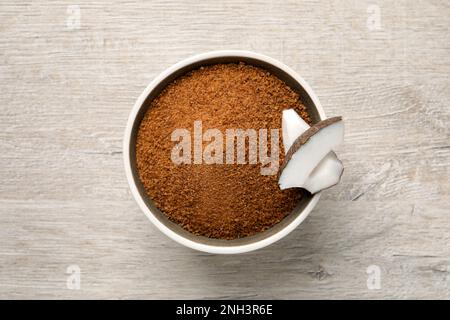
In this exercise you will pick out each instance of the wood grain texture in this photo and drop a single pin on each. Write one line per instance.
(65, 98)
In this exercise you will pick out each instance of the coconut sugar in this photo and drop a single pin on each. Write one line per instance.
(219, 200)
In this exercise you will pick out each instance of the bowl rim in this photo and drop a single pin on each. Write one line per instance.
(232, 249)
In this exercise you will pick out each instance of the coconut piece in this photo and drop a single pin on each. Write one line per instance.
(329, 170)
(292, 127)
(307, 152)
(326, 174)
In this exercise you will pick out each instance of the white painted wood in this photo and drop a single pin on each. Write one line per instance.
(65, 98)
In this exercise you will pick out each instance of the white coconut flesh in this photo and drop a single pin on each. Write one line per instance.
(313, 165)
(327, 174)
(329, 170)
(292, 127)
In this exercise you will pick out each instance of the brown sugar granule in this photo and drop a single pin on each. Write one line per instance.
(225, 201)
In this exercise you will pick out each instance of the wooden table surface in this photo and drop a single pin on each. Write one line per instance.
(70, 73)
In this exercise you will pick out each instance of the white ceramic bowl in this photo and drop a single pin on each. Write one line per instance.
(171, 229)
